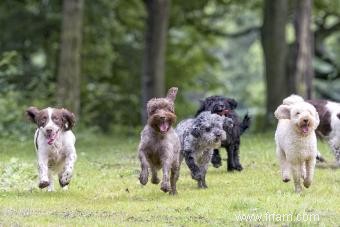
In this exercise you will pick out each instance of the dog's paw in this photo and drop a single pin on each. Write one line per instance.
(307, 183)
(196, 175)
(143, 178)
(165, 187)
(286, 179)
(202, 185)
(216, 161)
(63, 183)
(239, 167)
(155, 180)
(43, 184)
(173, 192)
(65, 179)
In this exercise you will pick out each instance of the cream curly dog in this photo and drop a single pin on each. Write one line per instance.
(296, 144)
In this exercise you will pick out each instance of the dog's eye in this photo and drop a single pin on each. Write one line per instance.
(208, 129)
(297, 113)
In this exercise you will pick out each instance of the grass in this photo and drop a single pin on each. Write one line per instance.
(105, 190)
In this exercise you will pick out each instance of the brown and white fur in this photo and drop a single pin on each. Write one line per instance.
(159, 147)
(329, 128)
(296, 143)
(55, 144)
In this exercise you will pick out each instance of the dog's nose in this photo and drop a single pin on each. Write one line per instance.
(305, 120)
(218, 134)
(48, 131)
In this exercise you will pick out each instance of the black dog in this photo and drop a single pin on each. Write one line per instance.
(225, 106)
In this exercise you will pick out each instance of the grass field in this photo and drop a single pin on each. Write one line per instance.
(105, 190)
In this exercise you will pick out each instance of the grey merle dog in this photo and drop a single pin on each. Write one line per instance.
(198, 137)
(225, 107)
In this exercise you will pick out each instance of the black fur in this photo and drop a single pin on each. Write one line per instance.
(226, 106)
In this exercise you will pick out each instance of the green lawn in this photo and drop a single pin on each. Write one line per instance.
(105, 190)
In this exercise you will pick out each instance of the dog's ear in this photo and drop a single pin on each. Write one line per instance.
(282, 112)
(195, 132)
(172, 94)
(69, 119)
(232, 103)
(32, 113)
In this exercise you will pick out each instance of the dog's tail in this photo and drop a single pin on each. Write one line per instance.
(245, 124)
(320, 158)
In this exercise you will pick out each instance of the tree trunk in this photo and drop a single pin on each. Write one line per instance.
(304, 72)
(68, 85)
(153, 82)
(275, 53)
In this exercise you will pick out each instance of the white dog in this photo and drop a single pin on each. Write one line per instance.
(54, 143)
(296, 144)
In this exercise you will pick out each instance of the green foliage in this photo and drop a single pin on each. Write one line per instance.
(105, 190)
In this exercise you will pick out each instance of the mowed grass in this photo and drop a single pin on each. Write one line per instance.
(105, 190)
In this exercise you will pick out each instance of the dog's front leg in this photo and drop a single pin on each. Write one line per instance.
(190, 160)
(144, 174)
(66, 174)
(296, 172)
(43, 169)
(310, 166)
(165, 186)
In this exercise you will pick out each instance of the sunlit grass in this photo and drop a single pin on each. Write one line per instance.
(105, 189)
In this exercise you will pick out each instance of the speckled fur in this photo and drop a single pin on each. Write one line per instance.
(198, 137)
(160, 150)
(226, 106)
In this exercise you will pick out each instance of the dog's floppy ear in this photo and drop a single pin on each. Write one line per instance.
(31, 113)
(172, 94)
(232, 103)
(195, 132)
(68, 119)
(282, 112)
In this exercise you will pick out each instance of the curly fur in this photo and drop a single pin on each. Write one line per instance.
(296, 144)
(159, 146)
(198, 137)
(226, 106)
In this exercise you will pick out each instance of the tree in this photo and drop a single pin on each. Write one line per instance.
(275, 53)
(68, 85)
(303, 70)
(153, 83)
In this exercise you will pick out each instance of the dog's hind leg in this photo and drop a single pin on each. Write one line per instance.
(216, 159)
(236, 154)
(154, 179)
(310, 166)
(230, 152)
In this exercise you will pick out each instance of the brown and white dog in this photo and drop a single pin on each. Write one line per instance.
(54, 143)
(329, 128)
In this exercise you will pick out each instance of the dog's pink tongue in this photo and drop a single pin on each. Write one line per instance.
(164, 126)
(304, 129)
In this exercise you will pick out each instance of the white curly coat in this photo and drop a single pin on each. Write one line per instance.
(296, 143)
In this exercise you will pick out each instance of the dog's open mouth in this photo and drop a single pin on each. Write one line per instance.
(51, 137)
(164, 127)
(304, 128)
(223, 112)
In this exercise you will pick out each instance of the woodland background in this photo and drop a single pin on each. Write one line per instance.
(104, 59)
